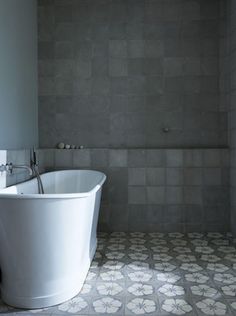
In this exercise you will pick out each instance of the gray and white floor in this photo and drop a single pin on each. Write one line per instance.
(155, 274)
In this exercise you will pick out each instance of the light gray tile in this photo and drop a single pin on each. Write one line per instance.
(174, 176)
(155, 157)
(118, 67)
(212, 176)
(136, 176)
(193, 195)
(81, 158)
(156, 195)
(174, 195)
(174, 158)
(154, 48)
(192, 176)
(136, 48)
(63, 158)
(193, 158)
(136, 158)
(211, 158)
(174, 214)
(156, 176)
(137, 195)
(99, 158)
(118, 48)
(118, 157)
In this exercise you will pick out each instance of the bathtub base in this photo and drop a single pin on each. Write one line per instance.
(54, 299)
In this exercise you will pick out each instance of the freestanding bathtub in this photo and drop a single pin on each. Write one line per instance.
(47, 241)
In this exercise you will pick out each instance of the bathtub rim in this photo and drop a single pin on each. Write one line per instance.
(54, 196)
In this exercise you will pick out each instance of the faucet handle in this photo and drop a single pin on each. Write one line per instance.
(9, 168)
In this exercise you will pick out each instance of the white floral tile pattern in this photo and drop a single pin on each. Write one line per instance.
(115, 255)
(140, 276)
(211, 307)
(196, 277)
(86, 289)
(186, 258)
(155, 274)
(113, 265)
(112, 276)
(229, 290)
(168, 277)
(140, 289)
(110, 288)
(138, 256)
(210, 258)
(141, 306)
(176, 306)
(225, 278)
(171, 290)
(73, 306)
(162, 257)
(138, 265)
(203, 290)
(217, 267)
(191, 267)
(164, 266)
(107, 305)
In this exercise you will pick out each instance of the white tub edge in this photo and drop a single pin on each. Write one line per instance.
(55, 196)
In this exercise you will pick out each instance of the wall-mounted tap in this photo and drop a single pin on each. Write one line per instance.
(8, 168)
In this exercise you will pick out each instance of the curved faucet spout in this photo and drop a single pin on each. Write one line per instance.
(11, 167)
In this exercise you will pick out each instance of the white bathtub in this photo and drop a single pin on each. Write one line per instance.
(47, 241)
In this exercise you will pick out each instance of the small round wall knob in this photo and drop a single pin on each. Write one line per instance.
(165, 129)
(67, 146)
(61, 146)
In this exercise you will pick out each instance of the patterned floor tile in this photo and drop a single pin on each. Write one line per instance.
(155, 274)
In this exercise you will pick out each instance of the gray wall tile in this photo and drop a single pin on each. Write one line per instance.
(118, 158)
(156, 195)
(174, 158)
(174, 176)
(146, 52)
(112, 76)
(156, 158)
(174, 195)
(137, 195)
(193, 176)
(155, 176)
(81, 158)
(212, 176)
(136, 176)
(193, 195)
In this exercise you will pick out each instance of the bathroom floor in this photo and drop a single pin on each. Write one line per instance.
(155, 274)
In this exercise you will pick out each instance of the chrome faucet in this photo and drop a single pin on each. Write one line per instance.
(32, 169)
(9, 168)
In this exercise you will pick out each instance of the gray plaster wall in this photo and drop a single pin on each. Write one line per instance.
(113, 73)
(18, 74)
(155, 189)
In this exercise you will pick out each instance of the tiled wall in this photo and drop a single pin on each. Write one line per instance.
(232, 109)
(155, 190)
(149, 190)
(113, 73)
